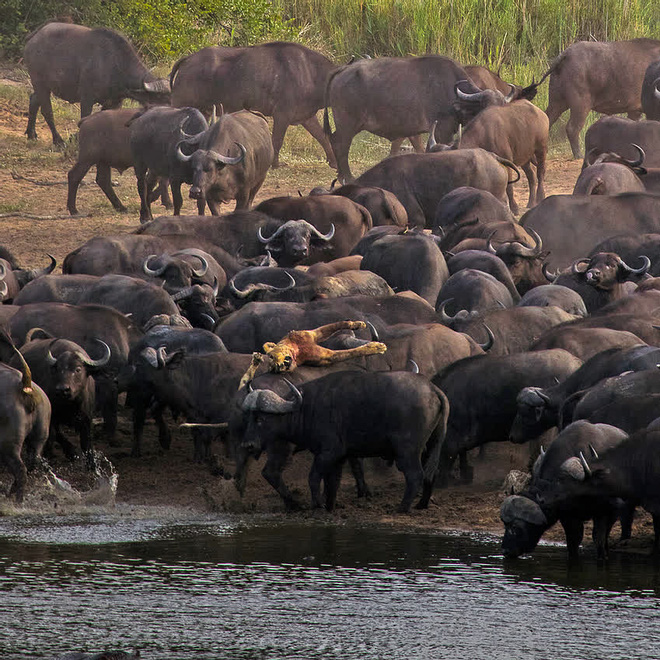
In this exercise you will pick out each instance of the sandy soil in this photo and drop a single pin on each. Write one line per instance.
(171, 478)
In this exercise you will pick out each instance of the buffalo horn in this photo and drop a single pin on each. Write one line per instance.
(594, 453)
(102, 361)
(180, 155)
(32, 274)
(4, 289)
(157, 86)
(251, 288)
(184, 293)
(431, 143)
(325, 237)
(446, 319)
(549, 275)
(227, 160)
(3, 271)
(640, 160)
(415, 366)
(374, 333)
(51, 360)
(637, 271)
(489, 243)
(574, 268)
(491, 339)
(656, 91)
(194, 252)
(261, 238)
(523, 251)
(585, 465)
(158, 271)
(591, 156)
(216, 287)
(512, 92)
(542, 450)
(463, 95)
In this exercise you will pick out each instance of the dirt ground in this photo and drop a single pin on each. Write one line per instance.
(34, 223)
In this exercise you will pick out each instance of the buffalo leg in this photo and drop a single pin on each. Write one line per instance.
(47, 112)
(357, 468)
(164, 193)
(540, 175)
(242, 200)
(272, 473)
(12, 459)
(418, 143)
(104, 181)
(313, 127)
(143, 192)
(214, 207)
(33, 109)
(84, 427)
(635, 115)
(325, 466)
(414, 476)
(626, 517)
(332, 479)
(56, 435)
(201, 205)
(164, 435)
(512, 200)
(106, 398)
(341, 146)
(395, 147)
(279, 129)
(75, 176)
(574, 126)
(574, 531)
(177, 197)
(531, 184)
(600, 534)
(466, 472)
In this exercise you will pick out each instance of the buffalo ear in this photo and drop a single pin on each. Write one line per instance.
(175, 358)
(269, 346)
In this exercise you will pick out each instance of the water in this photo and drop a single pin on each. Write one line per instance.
(179, 587)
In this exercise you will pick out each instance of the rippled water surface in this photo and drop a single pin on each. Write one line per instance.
(224, 588)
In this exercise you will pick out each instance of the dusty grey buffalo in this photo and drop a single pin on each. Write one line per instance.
(394, 97)
(610, 174)
(650, 91)
(25, 411)
(601, 76)
(104, 141)
(285, 81)
(218, 177)
(572, 225)
(154, 135)
(79, 64)
(420, 181)
(516, 131)
(623, 137)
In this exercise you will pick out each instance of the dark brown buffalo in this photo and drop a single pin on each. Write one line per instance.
(282, 80)
(601, 76)
(585, 342)
(218, 177)
(79, 64)
(517, 132)
(384, 207)
(249, 328)
(408, 262)
(475, 235)
(514, 329)
(63, 369)
(336, 224)
(183, 268)
(420, 181)
(571, 225)
(554, 295)
(650, 93)
(154, 136)
(602, 278)
(126, 253)
(465, 205)
(84, 325)
(482, 393)
(623, 137)
(235, 233)
(489, 263)
(56, 288)
(103, 140)
(392, 97)
(469, 292)
(629, 247)
(607, 179)
(25, 412)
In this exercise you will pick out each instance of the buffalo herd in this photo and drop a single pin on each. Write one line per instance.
(542, 330)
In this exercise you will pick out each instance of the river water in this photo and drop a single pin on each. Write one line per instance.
(178, 587)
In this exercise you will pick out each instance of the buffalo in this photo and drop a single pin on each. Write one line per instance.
(80, 64)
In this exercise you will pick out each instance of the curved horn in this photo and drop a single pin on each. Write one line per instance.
(637, 271)
(102, 361)
(180, 155)
(640, 160)
(374, 332)
(251, 288)
(51, 360)
(4, 288)
(446, 319)
(489, 244)
(159, 86)
(574, 268)
(32, 274)
(594, 452)
(431, 143)
(33, 331)
(585, 465)
(591, 156)
(227, 160)
(188, 138)
(415, 366)
(463, 95)
(548, 274)
(656, 91)
(325, 237)
(194, 252)
(296, 392)
(491, 339)
(512, 93)
(203, 270)
(523, 251)
(277, 232)
(184, 293)
(3, 271)
(158, 271)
